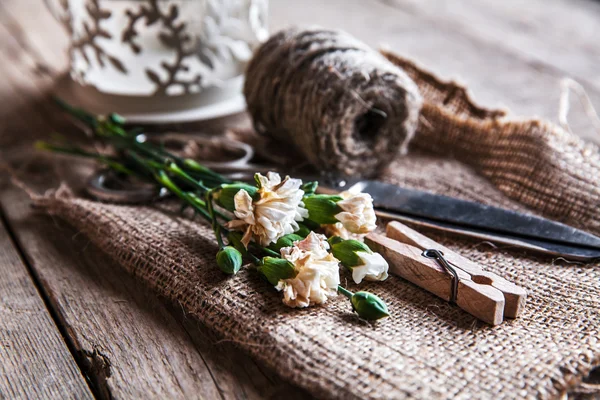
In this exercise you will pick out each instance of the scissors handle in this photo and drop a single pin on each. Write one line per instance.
(241, 153)
(104, 185)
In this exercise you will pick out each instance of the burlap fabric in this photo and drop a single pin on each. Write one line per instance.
(428, 349)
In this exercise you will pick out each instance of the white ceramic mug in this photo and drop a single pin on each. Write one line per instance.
(137, 56)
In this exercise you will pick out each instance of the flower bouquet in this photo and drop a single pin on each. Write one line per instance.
(294, 237)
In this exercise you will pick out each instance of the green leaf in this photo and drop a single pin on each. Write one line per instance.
(257, 180)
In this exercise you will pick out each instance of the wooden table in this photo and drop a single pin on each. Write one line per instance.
(74, 325)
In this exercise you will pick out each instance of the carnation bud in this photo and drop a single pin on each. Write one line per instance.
(285, 241)
(322, 208)
(368, 306)
(358, 258)
(276, 269)
(345, 251)
(229, 259)
(309, 188)
(225, 196)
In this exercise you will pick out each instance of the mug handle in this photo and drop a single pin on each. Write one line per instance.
(59, 9)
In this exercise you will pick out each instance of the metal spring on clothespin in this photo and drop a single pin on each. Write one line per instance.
(439, 257)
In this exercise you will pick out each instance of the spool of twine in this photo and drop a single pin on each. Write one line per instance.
(344, 106)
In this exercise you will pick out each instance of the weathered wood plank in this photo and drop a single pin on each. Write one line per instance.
(130, 344)
(113, 319)
(562, 34)
(558, 37)
(35, 362)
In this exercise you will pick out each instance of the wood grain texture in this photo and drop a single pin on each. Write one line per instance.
(35, 362)
(482, 301)
(559, 34)
(129, 343)
(514, 296)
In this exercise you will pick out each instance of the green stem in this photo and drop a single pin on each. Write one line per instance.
(270, 252)
(155, 161)
(108, 129)
(148, 151)
(144, 163)
(192, 166)
(257, 261)
(76, 151)
(215, 224)
(201, 203)
(175, 170)
(189, 197)
(187, 166)
(162, 177)
(78, 113)
(111, 130)
(345, 292)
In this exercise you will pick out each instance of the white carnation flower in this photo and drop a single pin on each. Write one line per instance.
(317, 271)
(338, 230)
(276, 212)
(358, 215)
(374, 267)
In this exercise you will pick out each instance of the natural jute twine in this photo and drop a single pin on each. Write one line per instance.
(428, 349)
(340, 103)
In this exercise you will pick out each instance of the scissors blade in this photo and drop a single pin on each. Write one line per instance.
(567, 251)
(469, 215)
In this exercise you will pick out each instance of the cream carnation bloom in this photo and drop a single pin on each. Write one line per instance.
(317, 272)
(374, 267)
(276, 212)
(357, 214)
(338, 229)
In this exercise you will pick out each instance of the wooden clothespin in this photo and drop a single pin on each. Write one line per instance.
(447, 274)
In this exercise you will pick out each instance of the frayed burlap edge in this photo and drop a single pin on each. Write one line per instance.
(532, 161)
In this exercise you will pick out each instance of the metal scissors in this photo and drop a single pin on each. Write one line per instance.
(105, 185)
(433, 211)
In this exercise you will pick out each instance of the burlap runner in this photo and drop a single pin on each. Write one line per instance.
(532, 161)
(429, 349)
